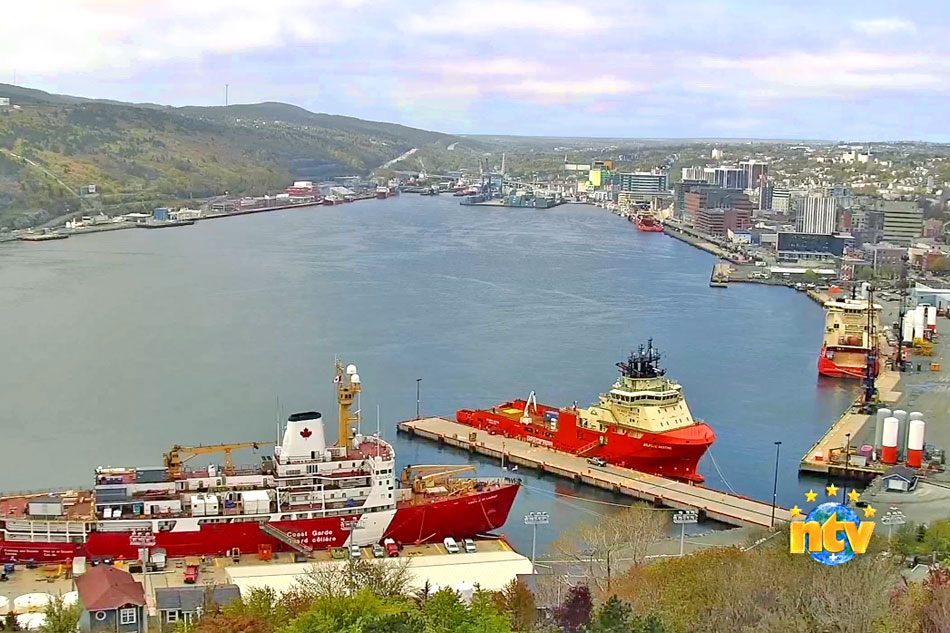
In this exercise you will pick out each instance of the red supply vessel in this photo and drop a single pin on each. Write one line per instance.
(642, 423)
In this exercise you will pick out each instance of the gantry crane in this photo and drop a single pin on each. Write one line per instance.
(174, 458)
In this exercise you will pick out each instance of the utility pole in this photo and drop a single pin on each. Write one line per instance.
(226, 94)
(681, 518)
(534, 519)
(778, 447)
(847, 460)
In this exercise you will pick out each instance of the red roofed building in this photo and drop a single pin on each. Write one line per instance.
(112, 601)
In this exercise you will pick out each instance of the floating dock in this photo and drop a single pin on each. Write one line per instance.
(720, 506)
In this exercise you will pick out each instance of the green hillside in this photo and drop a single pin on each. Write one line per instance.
(140, 155)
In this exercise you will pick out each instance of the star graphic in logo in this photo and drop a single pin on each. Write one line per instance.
(306, 433)
(832, 490)
(795, 512)
(833, 558)
(869, 512)
(854, 495)
(810, 496)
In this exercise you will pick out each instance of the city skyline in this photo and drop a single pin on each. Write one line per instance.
(852, 71)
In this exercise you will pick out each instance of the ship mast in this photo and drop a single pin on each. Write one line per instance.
(644, 363)
(347, 388)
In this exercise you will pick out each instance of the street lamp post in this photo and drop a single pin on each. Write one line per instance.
(681, 518)
(778, 447)
(418, 382)
(847, 461)
(534, 519)
(892, 518)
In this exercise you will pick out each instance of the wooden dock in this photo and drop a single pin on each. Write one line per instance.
(720, 506)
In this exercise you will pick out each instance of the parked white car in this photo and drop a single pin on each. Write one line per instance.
(450, 545)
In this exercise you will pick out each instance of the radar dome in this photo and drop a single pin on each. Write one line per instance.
(350, 370)
(355, 379)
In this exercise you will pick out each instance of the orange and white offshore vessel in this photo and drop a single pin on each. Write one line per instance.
(851, 338)
(642, 423)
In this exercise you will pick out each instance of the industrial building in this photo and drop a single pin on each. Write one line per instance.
(793, 247)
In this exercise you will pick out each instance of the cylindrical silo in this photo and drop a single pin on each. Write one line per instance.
(889, 441)
(932, 318)
(879, 427)
(915, 443)
(901, 416)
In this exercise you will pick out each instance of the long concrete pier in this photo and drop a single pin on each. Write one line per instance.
(721, 506)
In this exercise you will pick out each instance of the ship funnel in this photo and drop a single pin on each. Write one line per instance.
(303, 437)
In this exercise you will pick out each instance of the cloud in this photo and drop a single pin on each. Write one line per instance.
(52, 36)
(464, 18)
(884, 26)
(835, 74)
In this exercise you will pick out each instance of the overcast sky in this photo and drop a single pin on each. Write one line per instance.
(837, 69)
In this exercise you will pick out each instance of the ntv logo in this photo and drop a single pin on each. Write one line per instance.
(821, 532)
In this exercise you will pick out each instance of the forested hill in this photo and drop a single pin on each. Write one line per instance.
(139, 155)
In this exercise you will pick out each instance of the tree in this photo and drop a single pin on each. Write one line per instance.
(362, 612)
(574, 613)
(386, 578)
(810, 275)
(596, 549)
(613, 616)
(517, 601)
(60, 617)
(444, 612)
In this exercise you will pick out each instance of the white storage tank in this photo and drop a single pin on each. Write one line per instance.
(889, 441)
(915, 443)
(901, 416)
(31, 602)
(907, 332)
(932, 317)
(31, 621)
(879, 427)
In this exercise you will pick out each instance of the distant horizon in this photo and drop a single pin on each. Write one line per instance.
(618, 68)
(723, 139)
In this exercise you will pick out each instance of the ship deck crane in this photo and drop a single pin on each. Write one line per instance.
(176, 458)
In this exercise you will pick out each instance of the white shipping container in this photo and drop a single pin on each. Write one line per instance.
(197, 505)
(211, 505)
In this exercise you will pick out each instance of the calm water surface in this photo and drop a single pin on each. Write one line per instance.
(119, 345)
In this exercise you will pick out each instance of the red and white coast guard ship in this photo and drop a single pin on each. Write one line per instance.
(306, 496)
(642, 423)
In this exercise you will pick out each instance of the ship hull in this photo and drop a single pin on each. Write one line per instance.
(649, 227)
(673, 454)
(460, 517)
(837, 363)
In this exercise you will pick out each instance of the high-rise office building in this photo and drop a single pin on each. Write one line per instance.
(903, 221)
(729, 177)
(694, 173)
(754, 172)
(817, 215)
(781, 200)
(643, 182)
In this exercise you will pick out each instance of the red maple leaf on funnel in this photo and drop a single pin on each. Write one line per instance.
(306, 433)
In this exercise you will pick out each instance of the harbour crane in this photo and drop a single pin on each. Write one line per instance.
(175, 458)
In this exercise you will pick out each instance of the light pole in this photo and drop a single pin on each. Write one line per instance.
(892, 518)
(847, 460)
(778, 447)
(418, 382)
(681, 518)
(534, 519)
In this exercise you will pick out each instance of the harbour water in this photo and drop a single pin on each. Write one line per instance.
(119, 345)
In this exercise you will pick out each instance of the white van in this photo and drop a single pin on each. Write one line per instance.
(450, 545)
